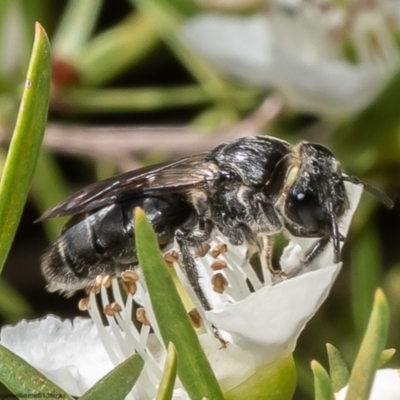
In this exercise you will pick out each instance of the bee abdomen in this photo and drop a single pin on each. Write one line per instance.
(101, 244)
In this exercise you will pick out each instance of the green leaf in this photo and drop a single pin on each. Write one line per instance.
(365, 275)
(116, 50)
(168, 20)
(194, 369)
(169, 375)
(369, 356)
(119, 382)
(26, 141)
(322, 384)
(386, 356)
(338, 370)
(75, 27)
(20, 377)
(84, 101)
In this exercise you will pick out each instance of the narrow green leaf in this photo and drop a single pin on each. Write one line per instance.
(169, 375)
(168, 20)
(322, 384)
(21, 378)
(338, 370)
(386, 356)
(84, 101)
(369, 356)
(365, 276)
(26, 141)
(75, 27)
(194, 369)
(119, 382)
(114, 51)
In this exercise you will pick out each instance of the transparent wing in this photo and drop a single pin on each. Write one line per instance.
(170, 177)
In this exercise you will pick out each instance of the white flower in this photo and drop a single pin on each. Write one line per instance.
(69, 354)
(297, 47)
(260, 327)
(386, 386)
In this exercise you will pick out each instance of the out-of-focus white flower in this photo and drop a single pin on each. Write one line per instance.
(386, 386)
(298, 47)
(261, 326)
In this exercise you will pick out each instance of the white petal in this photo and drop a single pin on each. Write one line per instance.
(326, 85)
(386, 386)
(231, 364)
(268, 322)
(249, 48)
(69, 354)
(239, 46)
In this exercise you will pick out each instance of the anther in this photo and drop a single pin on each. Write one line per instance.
(94, 287)
(171, 257)
(129, 287)
(220, 248)
(201, 251)
(218, 265)
(141, 316)
(129, 276)
(84, 304)
(219, 283)
(112, 309)
(195, 318)
(106, 281)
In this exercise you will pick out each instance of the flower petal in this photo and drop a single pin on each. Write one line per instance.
(70, 354)
(386, 386)
(256, 50)
(268, 322)
(239, 46)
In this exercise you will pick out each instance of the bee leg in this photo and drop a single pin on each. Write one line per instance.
(316, 250)
(191, 269)
(266, 256)
(312, 254)
(193, 276)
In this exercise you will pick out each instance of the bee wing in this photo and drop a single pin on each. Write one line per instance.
(162, 178)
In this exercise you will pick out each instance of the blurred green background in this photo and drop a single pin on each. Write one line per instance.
(137, 82)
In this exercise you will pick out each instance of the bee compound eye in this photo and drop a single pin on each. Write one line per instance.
(302, 208)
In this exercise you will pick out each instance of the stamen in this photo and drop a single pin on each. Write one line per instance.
(129, 287)
(219, 282)
(220, 248)
(105, 336)
(195, 318)
(106, 281)
(130, 276)
(201, 251)
(112, 309)
(141, 316)
(84, 304)
(171, 257)
(218, 265)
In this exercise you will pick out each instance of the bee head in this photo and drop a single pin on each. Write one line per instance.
(315, 195)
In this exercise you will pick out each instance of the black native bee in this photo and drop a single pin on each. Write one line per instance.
(247, 190)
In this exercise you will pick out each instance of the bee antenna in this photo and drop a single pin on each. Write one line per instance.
(387, 201)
